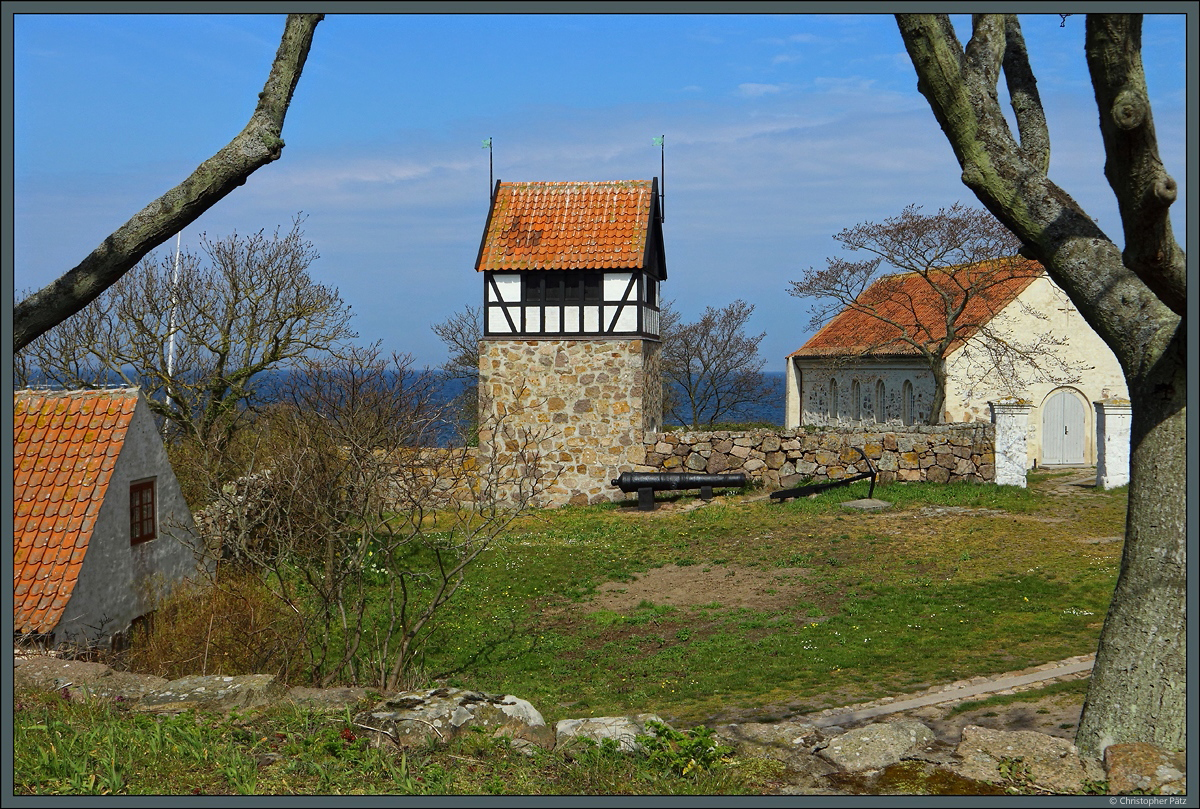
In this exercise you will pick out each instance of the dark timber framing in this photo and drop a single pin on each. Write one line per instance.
(535, 297)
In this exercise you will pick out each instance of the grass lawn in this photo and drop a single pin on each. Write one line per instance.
(762, 609)
(744, 609)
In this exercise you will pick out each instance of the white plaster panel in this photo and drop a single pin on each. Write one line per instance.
(614, 285)
(591, 319)
(509, 285)
(552, 319)
(533, 319)
(627, 320)
(571, 319)
(496, 320)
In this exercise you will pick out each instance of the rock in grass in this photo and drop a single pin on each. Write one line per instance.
(1024, 757)
(623, 729)
(435, 715)
(214, 692)
(877, 745)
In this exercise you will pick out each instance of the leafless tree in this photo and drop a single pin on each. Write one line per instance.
(361, 528)
(711, 366)
(950, 271)
(258, 144)
(1134, 298)
(244, 309)
(461, 333)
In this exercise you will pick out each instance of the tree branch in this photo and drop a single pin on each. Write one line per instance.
(1026, 102)
(258, 144)
(1144, 189)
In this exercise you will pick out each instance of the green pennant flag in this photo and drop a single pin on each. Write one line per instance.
(659, 140)
(487, 143)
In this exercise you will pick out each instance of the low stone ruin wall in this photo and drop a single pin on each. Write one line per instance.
(773, 458)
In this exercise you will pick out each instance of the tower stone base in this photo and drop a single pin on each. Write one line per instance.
(588, 403)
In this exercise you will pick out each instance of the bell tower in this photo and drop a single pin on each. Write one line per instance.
(571, 276)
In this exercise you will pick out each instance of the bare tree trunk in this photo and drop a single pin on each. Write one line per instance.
(258, 144)
(1139, 683)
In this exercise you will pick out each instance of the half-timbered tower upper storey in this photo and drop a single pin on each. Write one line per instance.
(571, 259)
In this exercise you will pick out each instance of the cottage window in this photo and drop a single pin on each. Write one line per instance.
(856, 398)
(908, 402)
(879, 411)
(833, 400)
(141, 512)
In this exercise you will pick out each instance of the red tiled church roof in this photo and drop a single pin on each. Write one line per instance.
(568, 226)
(66, 444)
(917, 310)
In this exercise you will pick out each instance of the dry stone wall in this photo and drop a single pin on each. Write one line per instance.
(938, 454)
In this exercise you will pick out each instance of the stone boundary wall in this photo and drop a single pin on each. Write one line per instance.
(774, 458)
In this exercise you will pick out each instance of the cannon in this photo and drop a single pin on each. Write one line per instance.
(813, 488)
(647, 483)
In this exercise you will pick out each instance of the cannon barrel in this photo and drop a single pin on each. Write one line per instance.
(672, 481)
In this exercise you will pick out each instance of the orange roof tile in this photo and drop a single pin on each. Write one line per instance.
(917, 310)
(568, 226)
(63, 462)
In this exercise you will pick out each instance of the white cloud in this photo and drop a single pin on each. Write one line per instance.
(844, 85)
(754, 90)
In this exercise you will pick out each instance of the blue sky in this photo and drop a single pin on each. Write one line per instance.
(780, 131)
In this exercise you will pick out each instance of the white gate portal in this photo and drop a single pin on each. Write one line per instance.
(1062, 429)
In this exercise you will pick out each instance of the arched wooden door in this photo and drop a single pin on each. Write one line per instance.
(1062, 429)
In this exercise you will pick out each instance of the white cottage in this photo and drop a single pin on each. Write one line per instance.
(859, 368)
(100, 524)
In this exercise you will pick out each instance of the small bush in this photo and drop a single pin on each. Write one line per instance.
(685, 753)
(232, 625)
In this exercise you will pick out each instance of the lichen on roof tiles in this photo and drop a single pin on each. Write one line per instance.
(564, 226)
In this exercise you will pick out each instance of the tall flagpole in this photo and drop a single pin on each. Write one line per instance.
(487, 144)
(662, 181)
(171, 325)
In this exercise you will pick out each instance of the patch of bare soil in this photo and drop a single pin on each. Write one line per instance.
(696, 585)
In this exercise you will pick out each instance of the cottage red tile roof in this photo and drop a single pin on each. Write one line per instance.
(916, 309)
(568, 226)
(66, 444)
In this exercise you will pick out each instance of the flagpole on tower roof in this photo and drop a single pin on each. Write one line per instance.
(487, 144)
(662, 181)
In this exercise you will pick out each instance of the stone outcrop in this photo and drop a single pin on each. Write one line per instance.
(418, 718)
(875, 746)
(819, 760)
(213, 692)
(1023, 756)
(946, 453)
(624, 730)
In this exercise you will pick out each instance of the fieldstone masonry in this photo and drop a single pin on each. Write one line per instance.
(939, 454)
(599, 397)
